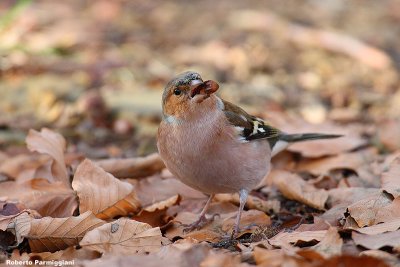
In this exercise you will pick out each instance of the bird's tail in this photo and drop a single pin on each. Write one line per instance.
(291, 138)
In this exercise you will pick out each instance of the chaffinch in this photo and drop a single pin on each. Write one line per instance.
(215, 146)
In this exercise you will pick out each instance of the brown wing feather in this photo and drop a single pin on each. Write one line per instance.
(253, 128)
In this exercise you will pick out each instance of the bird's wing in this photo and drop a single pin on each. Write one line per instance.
(250, 127)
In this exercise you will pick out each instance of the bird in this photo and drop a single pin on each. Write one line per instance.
(215, 146)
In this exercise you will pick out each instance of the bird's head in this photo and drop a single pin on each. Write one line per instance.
(186, 93)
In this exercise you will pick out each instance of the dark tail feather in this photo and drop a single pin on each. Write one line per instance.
(307, 136)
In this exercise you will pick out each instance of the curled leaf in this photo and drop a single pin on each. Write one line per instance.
(53, 144)
(102, 193)
(293, 187)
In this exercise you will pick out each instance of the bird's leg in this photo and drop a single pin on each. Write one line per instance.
(202, 220)
(243, 193)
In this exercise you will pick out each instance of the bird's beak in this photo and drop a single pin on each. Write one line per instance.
(202, 89)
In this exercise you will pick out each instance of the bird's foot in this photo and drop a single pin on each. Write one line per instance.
(199, 223)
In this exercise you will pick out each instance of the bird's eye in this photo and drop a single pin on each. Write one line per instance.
(177, 91)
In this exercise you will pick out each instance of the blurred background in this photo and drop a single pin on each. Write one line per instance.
(95, 70)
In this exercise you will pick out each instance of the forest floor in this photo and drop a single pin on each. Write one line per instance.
(80, 104)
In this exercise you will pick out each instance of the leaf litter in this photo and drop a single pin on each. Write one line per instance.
(100, 201)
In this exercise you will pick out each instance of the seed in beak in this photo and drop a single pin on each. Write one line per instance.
(205, 88)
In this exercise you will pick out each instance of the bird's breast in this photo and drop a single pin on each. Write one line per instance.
(208, 156)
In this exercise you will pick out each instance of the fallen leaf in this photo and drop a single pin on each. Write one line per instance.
(380, 228)
(252, 202)
(374, 209)
(49, 199)
(320, 148)
(319, 224)
(352, 161)
(133, 167)
(102, 193)
(24, 167)
(349, 195)
(154, 189)
(388, 133)
(390, 239)
(317, 148)
(221, 260)
(186, 252)
(154, 213)
(391, 179)
(123, 237)
(53, 144)
(293, 187)
(52, 234)
(71, 253)
(20, 226)
(136, 260)
(276, 258)
(330, 245)
(284, 238)
(350, 261)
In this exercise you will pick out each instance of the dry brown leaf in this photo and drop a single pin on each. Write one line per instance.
(53, 144)
(391, 179)
(348, 195)
(154, 189)
(276, 258)
(129, 261)
(284, 238)
(133, 167)
(375, 209)
(252, 202)
(390, 239)
(20, 226)
(330, 245)
(71, 253)
(185, 253)
(353, 161)
(219, 259)
(388, 134)
(49, 199)
(155, 213)
(52, 234)
(293, 187)
(319, 224)
(320, 148)
(123, 237)
(102, 193)
(25, 167)
(317, 148)
(380, 228)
